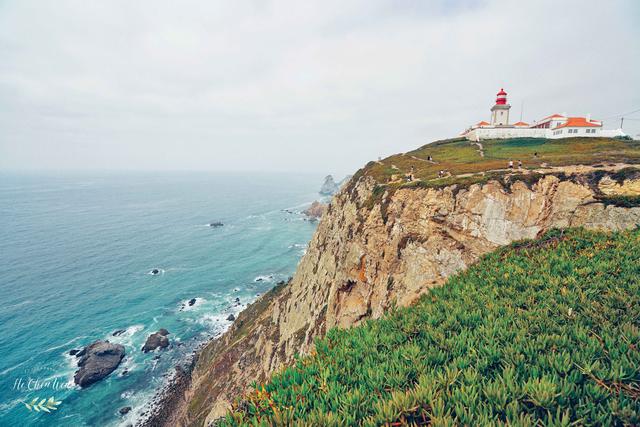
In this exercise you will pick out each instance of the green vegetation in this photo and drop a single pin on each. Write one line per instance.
(621, 201)
(462, 157)
(543, 332)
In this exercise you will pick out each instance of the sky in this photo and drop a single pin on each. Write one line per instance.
(295, 86)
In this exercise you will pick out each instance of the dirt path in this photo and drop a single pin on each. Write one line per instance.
(423, 160)
(553, 169)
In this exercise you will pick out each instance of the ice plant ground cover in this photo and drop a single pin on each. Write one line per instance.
(542, 332)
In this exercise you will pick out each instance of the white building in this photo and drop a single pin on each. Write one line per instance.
(553, 127)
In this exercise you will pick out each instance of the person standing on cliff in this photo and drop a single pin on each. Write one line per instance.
(510, 164)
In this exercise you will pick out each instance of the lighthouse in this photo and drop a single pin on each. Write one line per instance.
(500, 111)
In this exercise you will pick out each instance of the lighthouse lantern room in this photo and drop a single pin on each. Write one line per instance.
(500, 111)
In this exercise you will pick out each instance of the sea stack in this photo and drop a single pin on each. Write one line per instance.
(329, 186)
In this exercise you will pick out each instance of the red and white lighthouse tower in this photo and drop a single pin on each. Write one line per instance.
(500, 111)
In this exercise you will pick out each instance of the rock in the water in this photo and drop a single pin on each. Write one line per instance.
(74, 352)
(118, 332)
(329, 186)
(125, 410)
(157, 340)
(192, 301)
(215, 224)
(231, 317)
(315, 210)
(97, 361)
(155, 271)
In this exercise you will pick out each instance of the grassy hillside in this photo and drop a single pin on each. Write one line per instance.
(543, 332)
(462, 157)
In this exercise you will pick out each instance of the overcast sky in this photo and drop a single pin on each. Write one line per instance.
(295, 85)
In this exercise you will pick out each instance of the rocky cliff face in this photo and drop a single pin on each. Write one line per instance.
(374, 249)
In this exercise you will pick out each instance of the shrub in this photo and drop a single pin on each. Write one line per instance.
(543, 332)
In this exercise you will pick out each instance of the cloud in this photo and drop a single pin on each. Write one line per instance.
(283, 85)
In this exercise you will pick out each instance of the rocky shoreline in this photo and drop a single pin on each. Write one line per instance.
(164, 406)
(170, 396)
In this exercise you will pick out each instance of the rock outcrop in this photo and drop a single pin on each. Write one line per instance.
(329, 186)
(377, 249)
(156, 340)
(97, 360)
(316, 210)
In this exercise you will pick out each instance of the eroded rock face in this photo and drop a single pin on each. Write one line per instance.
(362, 260)
(97, 360)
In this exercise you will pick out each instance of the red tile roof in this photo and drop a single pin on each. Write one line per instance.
(553, 116)
(521, 124)
(482, 123)
(580, 122)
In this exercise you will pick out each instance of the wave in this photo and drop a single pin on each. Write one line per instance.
(12, 368)
(156, 272)
(19, 304)
(191, 304)
(65, 344)
(297, 246)
(127, 337)
(264, 278)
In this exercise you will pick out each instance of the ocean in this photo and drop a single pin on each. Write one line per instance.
(76, 255)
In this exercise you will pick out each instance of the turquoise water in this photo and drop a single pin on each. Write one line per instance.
(76, 251)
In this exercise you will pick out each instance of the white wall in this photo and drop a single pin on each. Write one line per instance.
(608, 133)
(503, 133)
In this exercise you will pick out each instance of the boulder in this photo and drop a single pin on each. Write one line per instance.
(192, 301)
(97, 360)
(125, 410)
(231, 317)
(216, 224)
(118, 332)
(156, 340)
(74, 352)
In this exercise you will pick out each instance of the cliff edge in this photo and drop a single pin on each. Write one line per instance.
(400, 227)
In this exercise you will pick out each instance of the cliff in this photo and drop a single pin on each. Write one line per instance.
(384, 242)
